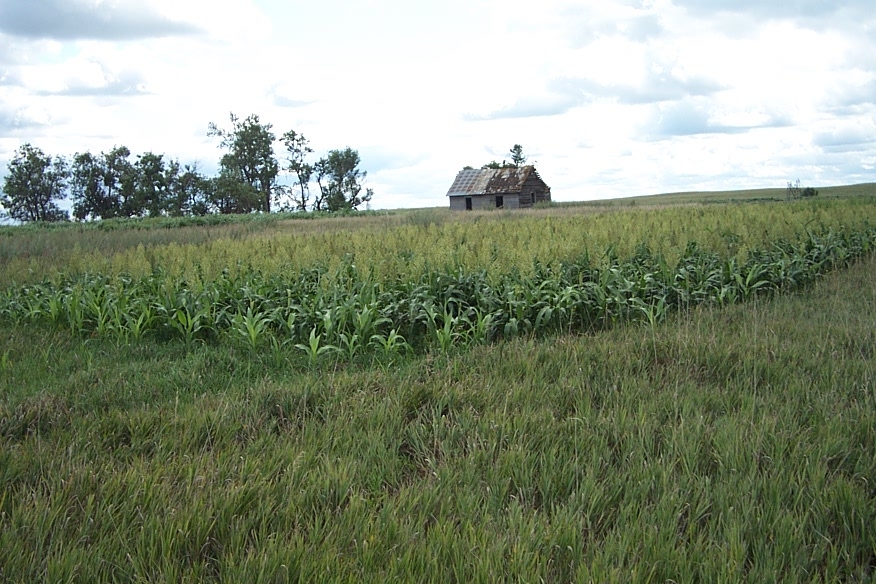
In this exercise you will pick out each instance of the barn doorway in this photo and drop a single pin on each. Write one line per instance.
(500, 201)
(468, 203)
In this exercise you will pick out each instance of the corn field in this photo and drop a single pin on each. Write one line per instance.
(348, 314)
(409, 245)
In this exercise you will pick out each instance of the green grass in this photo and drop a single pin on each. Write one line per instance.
(736, 196)
(725, 445)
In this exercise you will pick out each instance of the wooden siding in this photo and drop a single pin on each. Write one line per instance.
(486, 202)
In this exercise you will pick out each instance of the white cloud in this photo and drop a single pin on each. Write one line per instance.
(80, 19)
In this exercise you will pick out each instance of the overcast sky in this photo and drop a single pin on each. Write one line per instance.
(609, 98)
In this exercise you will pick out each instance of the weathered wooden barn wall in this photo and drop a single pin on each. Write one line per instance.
(483, 202)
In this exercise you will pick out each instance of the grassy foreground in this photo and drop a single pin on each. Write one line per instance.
(720, 446)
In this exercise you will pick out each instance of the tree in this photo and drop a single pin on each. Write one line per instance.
(89, 195)
(105, 186)
(188, 191)
(120, 180)
(794, 190)
(150, 186)
(517, 159)
(35, 181)
(298, 148)
(517, 156)
(230, 195)
(320, 174)
(250, 159)
(343, 188)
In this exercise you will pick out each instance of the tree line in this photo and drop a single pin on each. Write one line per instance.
(112, 184)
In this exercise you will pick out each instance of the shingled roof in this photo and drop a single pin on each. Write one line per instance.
(491, 181)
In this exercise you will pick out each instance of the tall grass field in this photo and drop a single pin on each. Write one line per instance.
(654, 391)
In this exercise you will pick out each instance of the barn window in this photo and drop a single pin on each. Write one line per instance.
(500, 201)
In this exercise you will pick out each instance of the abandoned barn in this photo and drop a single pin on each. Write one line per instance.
(515, 187)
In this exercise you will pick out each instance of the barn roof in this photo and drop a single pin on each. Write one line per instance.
(490, 181)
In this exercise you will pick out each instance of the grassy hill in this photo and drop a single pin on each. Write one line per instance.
(734, 196)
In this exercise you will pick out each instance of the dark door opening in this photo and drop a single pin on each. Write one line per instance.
(468, 203)
(500, 201)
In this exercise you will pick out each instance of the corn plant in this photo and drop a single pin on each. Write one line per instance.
(481, 324)
(138, 320)
(389, 345)
(351, 345)
(251, 326)
(99, 307)
(653, 312)
(314, 350)
(367, 321)
(55, 308)
(73, 307)
(447, 335)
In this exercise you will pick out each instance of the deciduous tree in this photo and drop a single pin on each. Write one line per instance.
(188, 190)
(517, 156)
(104, 186)
(120, 179)
(320, 175)
(343, 187)
(33, 185)
(89, 195)
(230, 195)
(151, 191)
(250, 159)
(298, 148)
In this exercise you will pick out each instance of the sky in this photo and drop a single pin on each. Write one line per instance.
(608, 98)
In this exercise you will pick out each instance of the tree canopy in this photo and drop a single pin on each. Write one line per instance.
(250, 157)
(298, 148)
(517, 156)
(116, 184)
(34, 185)
(343, 186)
